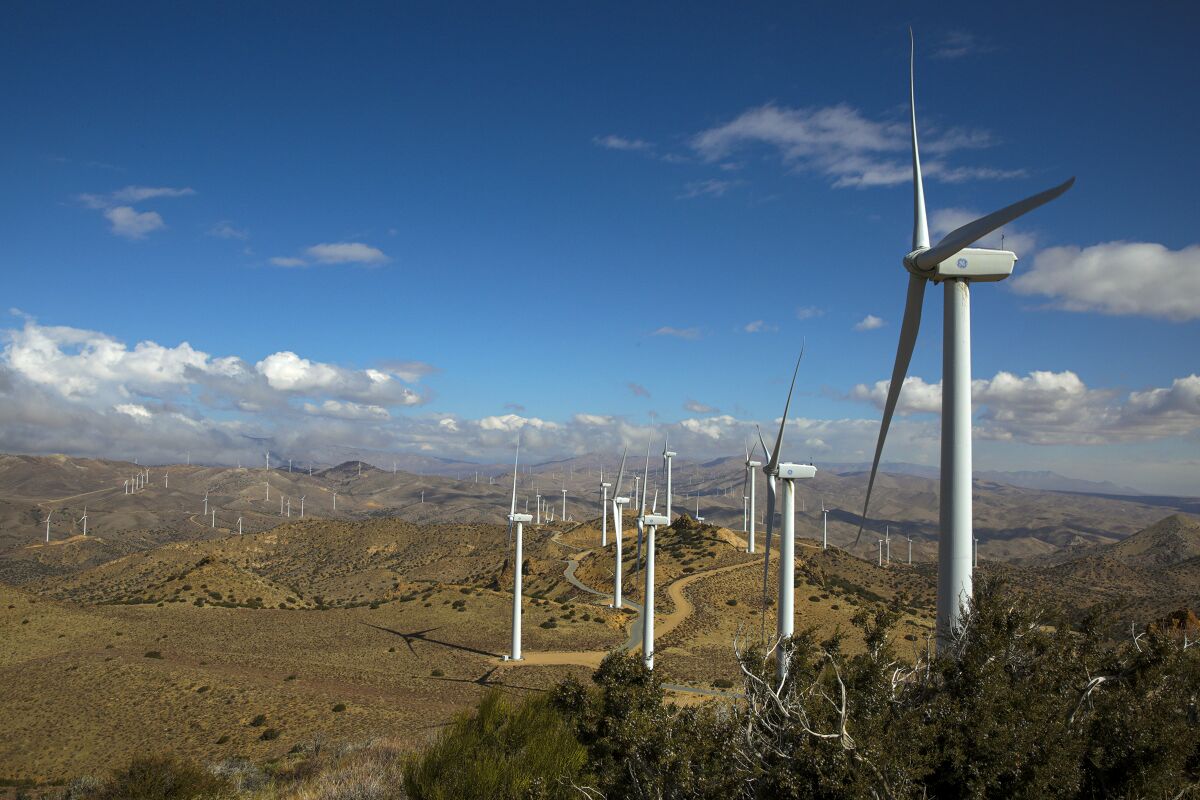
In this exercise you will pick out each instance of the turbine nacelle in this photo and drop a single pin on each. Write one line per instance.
(520, 518)
(972, 263)
(657, 520)
(796, 471)
(621, 501)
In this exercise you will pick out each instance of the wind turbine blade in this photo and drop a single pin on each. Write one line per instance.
(646, 475)
(766, 452)
(767, 552)
(513, 507)
(620, 474)
(920, 224)
(774, 464)
(972, 232)
(904, 350)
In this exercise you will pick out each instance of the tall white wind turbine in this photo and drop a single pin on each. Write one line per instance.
(618, 501)
(751, 480)
(668, 457)
(49, 514)
(788, 473)
(956, 265)
(83, 519)
(651, 523)
(518, 521)
(604, 487)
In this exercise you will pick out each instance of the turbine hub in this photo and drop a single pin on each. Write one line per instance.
(910, 264)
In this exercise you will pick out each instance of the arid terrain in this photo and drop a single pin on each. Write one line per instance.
(159, 631)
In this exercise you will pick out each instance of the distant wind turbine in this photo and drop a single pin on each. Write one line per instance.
(517, 521)
(49, 514)
(83, 519)
(618, 501)
(788, 473)
(668, 456)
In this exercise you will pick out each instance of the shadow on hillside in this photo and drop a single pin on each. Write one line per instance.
(423, 636)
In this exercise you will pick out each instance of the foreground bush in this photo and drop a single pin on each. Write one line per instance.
(155, 778)
(505, 750)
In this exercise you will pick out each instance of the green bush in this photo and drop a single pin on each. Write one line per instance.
(156, 778)
(505, 750)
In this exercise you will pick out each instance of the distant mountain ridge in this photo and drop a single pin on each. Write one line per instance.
(1044, 480)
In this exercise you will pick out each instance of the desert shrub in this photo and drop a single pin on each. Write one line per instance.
(339, 708)
(723, 683)
(437, 673)
(269, 735)
(549, 624)
(258, 721)
(156, 778)
(504, 750)
(731, 601)
(240, 774)
(153, 654)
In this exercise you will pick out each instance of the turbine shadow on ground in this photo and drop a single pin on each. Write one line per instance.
(421, 636)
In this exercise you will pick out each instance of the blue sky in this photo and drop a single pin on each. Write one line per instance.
(548, 204)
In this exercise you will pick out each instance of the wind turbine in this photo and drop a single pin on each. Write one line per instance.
(618, 501)
(668, 455)
(640, 499)
(651, 522)
(302, 505)
(518, 520)
(335, 501)
(604, 487)
(267, 475)
(83, 519)
(206, 502)
(751, 479)
(956, 265)
(910, 551)
(49, 514)
(788, 473)
(239, 526)
(824, 526)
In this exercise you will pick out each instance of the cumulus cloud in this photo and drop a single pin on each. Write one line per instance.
(758, 326)
(678, 333)
(226, 230)
(809, 312)
(1058, 408)
(842, 144)
(133, 224)
(705, 188)
(614, 142)
(346, 253)
(287, 261)
(346, 410)
(869, 323)
(696, 407)
(1119, 278)
(125, 220)
(945, 220)
(957, 44)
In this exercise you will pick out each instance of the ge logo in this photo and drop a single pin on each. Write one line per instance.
(962, 263)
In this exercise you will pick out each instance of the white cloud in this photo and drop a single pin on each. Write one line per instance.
(1118, 278)
(638, 390)
(133, 224)
(287, 372)
(705, 188)
(759, 326)
(136, 194)
(128, 221)
(842, 144)
(614, 142)
(945, 220)
(809, 312)
(869, 323)
(696, 407)
(677, 333)
(226, 230)
(1055, 408)
(346, 253)
(514, 422)
(132, 410)
(592, 420)
(287, 261)
(339, 409)
(957, 44)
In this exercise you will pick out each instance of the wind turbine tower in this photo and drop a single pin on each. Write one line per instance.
(668, 455)
(956, 265)
(618, 502)
(83, 519)
(518, 521)
(49, 514)
(789, 473)
(604, 487)
(824, 527)
(651, 522)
